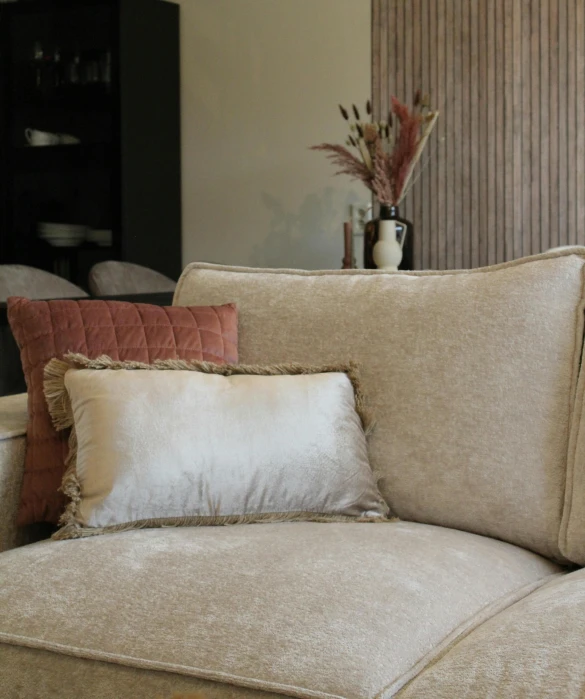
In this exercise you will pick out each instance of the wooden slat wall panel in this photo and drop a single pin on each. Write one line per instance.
(562, 141)
(554, 121)
(525, 127)
(421, 252)
(506, 176)
(441, 85)
(534, 119)
(490, 137)
(477, 94)
(501, 163)
(433, 173)
(577, 164)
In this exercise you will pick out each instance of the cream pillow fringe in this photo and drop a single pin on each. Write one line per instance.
(62, 416)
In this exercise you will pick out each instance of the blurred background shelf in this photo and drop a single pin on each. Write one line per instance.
(105, 73)
(91, 156)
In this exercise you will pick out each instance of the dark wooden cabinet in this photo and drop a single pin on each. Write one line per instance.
(100, 80)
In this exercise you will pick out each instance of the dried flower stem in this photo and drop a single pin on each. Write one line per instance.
(420, 170)
(430, 125)
(365, 153)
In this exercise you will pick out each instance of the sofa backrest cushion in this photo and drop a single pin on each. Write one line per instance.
(471, 377)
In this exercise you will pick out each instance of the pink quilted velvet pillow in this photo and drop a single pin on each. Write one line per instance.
(124, 331)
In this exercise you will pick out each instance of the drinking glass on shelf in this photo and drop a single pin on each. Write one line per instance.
(73, 69)
(57, 67)
(106, 69)
(91, 67)
(46, 66)
(38, 56)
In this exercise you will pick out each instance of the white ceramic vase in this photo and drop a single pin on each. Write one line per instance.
(387, 252)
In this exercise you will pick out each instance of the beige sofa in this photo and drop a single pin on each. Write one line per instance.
(475, 380)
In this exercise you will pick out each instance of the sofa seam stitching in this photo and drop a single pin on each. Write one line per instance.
(529, 589)
(154, 665)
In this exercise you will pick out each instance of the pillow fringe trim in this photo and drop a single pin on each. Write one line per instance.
(56, 394)
(73, 530)
(80, 361)
(61, 412)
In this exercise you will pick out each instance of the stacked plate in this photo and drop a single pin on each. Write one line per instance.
(62, 235)
(101, 237)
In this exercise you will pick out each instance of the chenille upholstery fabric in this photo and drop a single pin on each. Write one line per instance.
(13, 420)
(471, 376)
(13, 416)
(38, 674)
(532, 650)
(125, 331)
(572, 539)
(191, 443)
(303, 609)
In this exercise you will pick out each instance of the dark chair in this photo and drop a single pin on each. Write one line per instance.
(118, 278)
(20, 280)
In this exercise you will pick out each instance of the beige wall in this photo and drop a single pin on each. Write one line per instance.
(261, 80)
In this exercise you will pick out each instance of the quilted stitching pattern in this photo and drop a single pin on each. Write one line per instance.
(123, 331)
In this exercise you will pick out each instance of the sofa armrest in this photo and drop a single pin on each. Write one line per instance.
(13, 420)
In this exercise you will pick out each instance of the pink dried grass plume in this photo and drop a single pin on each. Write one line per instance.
(388, 151)
(405, 149)
(346, 161)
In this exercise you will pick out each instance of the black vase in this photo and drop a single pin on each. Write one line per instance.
(404, 232)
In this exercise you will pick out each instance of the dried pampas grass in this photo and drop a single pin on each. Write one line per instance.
(388, 152)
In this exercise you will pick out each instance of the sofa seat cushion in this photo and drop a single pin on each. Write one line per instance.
(304, 609)
(38, 674)
(13, 420)
(533, 650)
(13, 416)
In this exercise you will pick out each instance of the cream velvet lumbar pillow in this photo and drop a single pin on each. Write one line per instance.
(191, 443)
